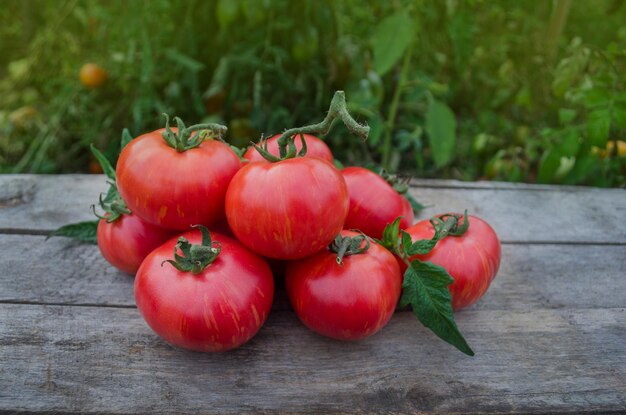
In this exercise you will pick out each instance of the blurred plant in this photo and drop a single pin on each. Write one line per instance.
(518, 91)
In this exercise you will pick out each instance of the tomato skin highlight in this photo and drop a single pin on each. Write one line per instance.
(315, 147)
(126, 242)
(374, 203)
(345, 302)
(175, 190)
(217, 310)
(472, 259)
(288, 209)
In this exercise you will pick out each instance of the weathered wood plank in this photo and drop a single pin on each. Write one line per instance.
(521, 213)
(61, 271)
(83, 359)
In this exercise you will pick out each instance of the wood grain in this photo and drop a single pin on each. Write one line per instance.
(83, 359)
(61, 271)
(518, 213)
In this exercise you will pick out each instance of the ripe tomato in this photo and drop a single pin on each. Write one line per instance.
(218, 309)
(374, 203)
(314, 148)
(125, 242)
(92, 75)
(288, 209)
(175, 189)
(472, 259)
(346, 302)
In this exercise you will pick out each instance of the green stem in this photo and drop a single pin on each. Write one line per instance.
(393, 108)
(338, 110)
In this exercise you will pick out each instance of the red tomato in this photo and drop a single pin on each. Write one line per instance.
(346, 302)
(218, 309)
(288, 209)
(472, 259)
(175, 189)
(92, 75)
(125, 242)
(374, 203)
(314, 148)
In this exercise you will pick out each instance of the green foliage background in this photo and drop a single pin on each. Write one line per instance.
(508, 90)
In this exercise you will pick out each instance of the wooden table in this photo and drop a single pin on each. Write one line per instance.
(549, 336)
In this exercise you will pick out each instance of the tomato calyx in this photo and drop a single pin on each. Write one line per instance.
(292, 151)
(195, 257)
(338, 110)
(184, 139)
(112, 203)
(349, 245)
(399, 184)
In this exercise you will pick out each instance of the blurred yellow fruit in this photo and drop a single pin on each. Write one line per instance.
(605, 152)
(92, 76)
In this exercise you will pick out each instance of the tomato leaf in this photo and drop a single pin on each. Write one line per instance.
(420, 247)
(441, 129)
(82, 231)
(425, 288)
(392, 37)
(598, 127)
(107, 168)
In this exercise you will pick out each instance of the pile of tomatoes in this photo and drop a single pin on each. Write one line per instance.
(208, 232)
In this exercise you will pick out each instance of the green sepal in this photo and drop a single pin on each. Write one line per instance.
(425, 289)
(391, 233)
(349, 245)
(183, 140)
(415, 205)
(81, 231)
(107, 168)
(195, 258)
(126, 138)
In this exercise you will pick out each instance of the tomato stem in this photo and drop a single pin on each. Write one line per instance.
(183, 139)
(346, 245)
(338, 110)
(195, 258)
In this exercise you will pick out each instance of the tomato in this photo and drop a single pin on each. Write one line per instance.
(92, 76)
(472, 259)
(219, 308)
(175, 189)
(346, 302)
(314, 148)
(289, 209)
(374, 203)
(126, 241)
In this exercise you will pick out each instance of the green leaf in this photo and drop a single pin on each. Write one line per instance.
(227, 11)
(108, 170)
(426, 290)
(619, 116)
(597, 97)
(417, 206)
(420, 247)
(441, 129)
(184, 60)
(391, 234)
(570, 143)
(82, 231)
(126, 138)
(392, 37)
(548, 165)
(598, 126)
(566, 115)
